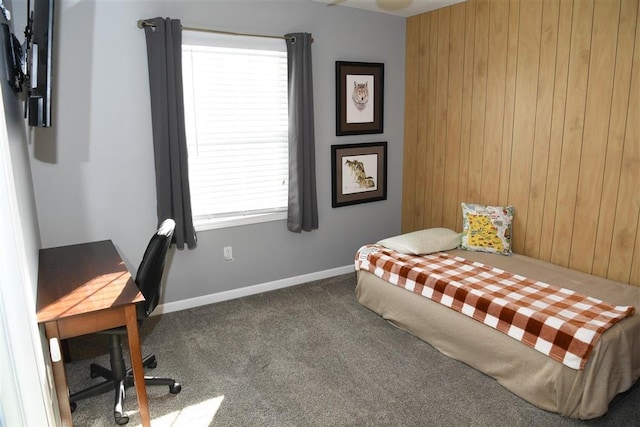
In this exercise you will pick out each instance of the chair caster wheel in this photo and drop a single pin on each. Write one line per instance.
(175, 388)
(92, 371)
(121, 419)
(150, 361)
(73, 406)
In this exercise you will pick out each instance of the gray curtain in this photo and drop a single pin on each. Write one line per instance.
(303, 205)
(164, 52)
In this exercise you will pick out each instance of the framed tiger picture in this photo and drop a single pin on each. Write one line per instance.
(359, 97)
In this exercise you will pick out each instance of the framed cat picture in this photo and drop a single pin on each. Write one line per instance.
(359, 97)
(358, 173)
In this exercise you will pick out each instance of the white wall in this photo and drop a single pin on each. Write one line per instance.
(24, 396)
(93, 171)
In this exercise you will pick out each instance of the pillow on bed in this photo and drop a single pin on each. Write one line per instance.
(423, 241)
(487, 228)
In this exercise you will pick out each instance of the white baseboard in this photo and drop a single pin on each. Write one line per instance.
(250, 290)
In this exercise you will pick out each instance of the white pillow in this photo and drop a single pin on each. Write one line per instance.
(423, 241)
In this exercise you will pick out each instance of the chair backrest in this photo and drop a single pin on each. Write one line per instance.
(149, 276)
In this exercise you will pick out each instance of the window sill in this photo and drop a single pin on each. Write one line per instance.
(212, 224)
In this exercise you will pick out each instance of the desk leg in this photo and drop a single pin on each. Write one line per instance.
(136, 363)
(59, 377)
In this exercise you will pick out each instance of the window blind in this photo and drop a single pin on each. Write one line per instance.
(236, 113)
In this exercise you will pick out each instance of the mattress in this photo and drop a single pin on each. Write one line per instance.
(612, 368)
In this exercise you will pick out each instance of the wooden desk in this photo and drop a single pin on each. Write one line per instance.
(83, 289)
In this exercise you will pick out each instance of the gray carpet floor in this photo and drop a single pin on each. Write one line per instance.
(309, 355)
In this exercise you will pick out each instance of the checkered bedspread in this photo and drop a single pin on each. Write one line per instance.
(555, 321)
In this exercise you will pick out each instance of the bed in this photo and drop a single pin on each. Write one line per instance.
(612, 367)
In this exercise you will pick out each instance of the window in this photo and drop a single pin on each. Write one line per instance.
(235, 92)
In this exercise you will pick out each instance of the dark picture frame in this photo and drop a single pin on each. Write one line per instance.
(359, 97)
(358, 173)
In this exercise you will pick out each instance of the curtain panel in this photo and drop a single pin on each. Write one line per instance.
(164, 53)
(302, 213)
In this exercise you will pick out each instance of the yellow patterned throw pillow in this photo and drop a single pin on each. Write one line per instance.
(487, 228)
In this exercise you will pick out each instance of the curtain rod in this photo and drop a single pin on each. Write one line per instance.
(143, 24)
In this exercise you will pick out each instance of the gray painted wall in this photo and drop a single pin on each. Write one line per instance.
(93, 171)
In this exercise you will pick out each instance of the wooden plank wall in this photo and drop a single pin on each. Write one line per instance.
(533, 103)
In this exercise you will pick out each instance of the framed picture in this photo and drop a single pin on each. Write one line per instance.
(358, 173)
(359, 97)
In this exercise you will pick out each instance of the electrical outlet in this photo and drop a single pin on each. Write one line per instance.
(228, 253)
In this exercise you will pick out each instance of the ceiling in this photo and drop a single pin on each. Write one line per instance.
(403, 8)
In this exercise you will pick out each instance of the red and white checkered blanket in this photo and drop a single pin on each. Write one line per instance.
(557, 322)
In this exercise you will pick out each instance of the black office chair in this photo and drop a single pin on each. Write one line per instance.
(118, 378)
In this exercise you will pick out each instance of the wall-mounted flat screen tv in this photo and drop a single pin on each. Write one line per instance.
(39, 60)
